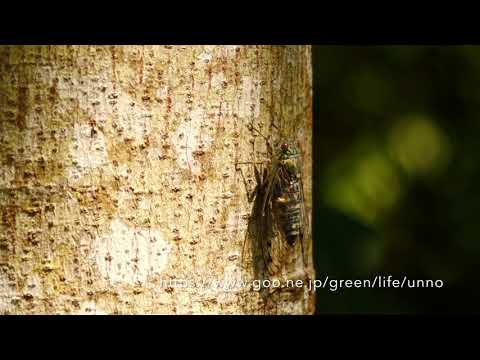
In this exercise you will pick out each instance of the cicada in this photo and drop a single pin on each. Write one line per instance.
(278, 223)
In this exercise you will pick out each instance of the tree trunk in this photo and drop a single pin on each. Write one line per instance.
(121, 190)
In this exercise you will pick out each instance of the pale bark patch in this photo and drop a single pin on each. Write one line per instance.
(87, 152)
(218, 80)
(188, 140)
(250, 98)
(206, 55)
(91, 308)
(7, 293)
(7, 175)
(130, 254)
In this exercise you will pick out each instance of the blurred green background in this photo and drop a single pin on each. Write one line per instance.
(397, 175)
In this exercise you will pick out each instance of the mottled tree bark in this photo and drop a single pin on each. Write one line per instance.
(118, 174)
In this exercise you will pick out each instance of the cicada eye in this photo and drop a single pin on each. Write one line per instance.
(284, 146)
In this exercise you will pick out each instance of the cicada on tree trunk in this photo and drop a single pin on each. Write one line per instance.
(278, 225)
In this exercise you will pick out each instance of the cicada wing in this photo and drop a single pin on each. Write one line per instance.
(268, 243)
(259, 232)
(265, 230)
(305, 231)
(270, 181)
(253, 227)
(246, 240)
(274, 246)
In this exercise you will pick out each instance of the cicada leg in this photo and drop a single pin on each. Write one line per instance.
(267, 142)
(250, 193)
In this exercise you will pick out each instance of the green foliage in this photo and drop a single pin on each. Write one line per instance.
(397, 136)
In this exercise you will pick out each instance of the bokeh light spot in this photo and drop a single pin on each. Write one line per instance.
(419, 146)
(364, 183)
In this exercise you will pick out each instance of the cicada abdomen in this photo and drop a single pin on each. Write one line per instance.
(288, 195)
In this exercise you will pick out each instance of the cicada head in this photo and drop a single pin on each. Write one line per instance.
(288, 151)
